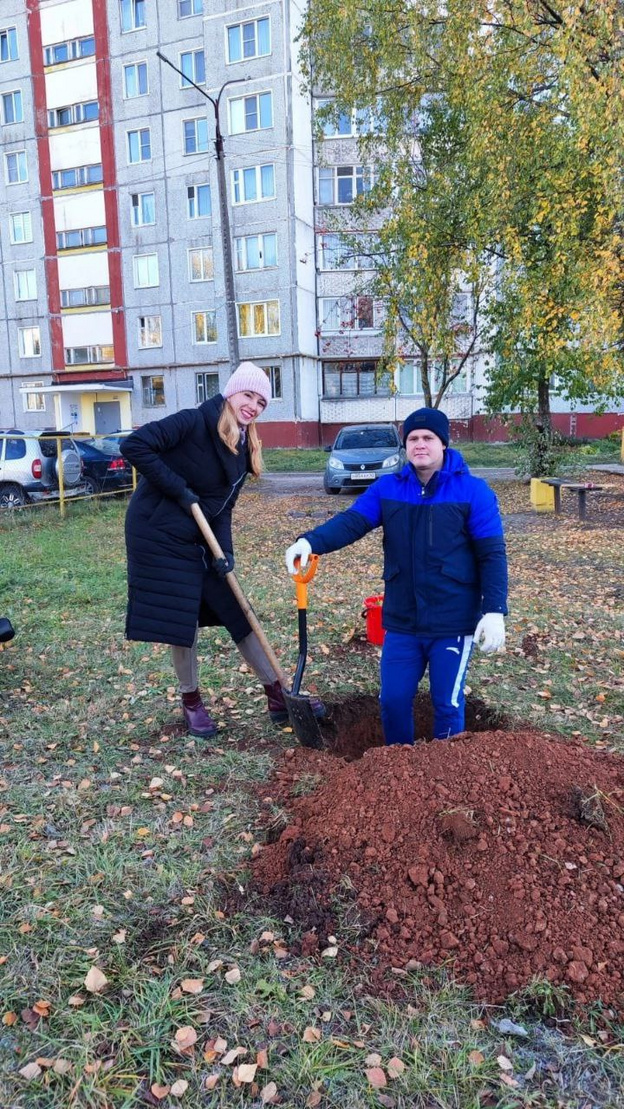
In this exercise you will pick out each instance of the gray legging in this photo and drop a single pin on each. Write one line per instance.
(185, 662)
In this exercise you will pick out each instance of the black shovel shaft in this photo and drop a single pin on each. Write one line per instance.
(303, 650)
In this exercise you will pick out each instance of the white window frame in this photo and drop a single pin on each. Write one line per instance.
(29, 279)
(95, 355)
(138, 131)
(192, 12)
(10, 35)
(253, 333)
(256, 54)
(348, 307)
(195, 120)
(206, 263)
(241, 252)
(359, 174)
(138, 208)
(194, 200)
(201, 393)
(185, 81)
(238, 184)
(274, 374)
(144, 330)
(15, 154)
(13, 93)
(194, 317)
(38, 399)
(148, 393)
(87, 296)
(138, 262)
(74, 51)
(82, 176)
(35, 337)
(234, 101)
(135, 66)
(13, 216)
(76, 114)
(133, 7)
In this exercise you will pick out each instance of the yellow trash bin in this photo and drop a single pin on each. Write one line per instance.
(542, 496)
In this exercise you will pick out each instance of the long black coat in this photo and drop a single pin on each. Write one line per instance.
(171, 584)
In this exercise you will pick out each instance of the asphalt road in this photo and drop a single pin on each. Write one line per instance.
(311, 484)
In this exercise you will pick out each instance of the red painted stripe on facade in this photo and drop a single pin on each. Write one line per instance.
(45, 185)
(109, 173)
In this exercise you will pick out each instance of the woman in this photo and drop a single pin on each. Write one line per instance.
(197, 456)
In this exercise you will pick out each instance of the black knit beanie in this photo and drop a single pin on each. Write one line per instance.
(429, 419)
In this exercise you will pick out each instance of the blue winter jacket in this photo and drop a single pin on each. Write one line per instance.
(444, 552)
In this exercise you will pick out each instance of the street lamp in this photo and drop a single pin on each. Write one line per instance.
(226, 242)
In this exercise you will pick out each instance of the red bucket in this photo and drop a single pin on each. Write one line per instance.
(372, 612)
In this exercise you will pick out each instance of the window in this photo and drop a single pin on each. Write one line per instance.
(29, 340)
(350, 313)
(8, 45)
(204, 327)
(150, 331)
(143, 209)
(88, 356)
(145, 269)
(82, 236)
(410, 378)
(69, 51)
(341, 184)
(135, 80)
(200, 264)
(25, 282)
(360, 121)
(190, 7)
(83, 298)
(195, 136)
(20, 227)
(274, 374)
(254, 183)
(206, 386)
(139, 146)
(15, 167)
(33, 402)
(73, 114)
(249, 40)
(198, 199)
(251, 113)
(132, 14)
(336, 254)
(260, 318)
(256, 252)
(153, 391)
(354, 379)
(77, 177)
(193, 66)
(12, 107)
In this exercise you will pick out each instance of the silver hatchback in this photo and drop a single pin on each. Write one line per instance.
(29, 467)
(360, 454)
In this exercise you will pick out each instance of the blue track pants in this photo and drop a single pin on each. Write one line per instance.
(404, 659)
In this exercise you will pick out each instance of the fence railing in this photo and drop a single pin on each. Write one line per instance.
(58, 468)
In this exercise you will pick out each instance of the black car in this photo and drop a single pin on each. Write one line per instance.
(104, 471)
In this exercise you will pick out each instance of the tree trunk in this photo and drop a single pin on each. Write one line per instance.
(426, 384)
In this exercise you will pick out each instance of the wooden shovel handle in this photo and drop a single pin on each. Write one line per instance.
(215, 548)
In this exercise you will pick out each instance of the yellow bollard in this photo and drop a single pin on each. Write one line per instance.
(542, 496)
(622, 446)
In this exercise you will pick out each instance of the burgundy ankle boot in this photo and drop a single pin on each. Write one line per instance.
(198, 722)
(277, 705)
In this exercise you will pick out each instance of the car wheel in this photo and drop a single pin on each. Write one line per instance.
(91, 487)
(12, 496)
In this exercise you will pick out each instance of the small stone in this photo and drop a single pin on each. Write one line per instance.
(577, 971)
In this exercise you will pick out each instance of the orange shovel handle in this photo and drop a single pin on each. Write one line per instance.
(301, 579)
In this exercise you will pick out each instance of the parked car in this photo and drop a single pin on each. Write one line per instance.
(29, 467)
(112, 442)
(103, 469)
(360, 454)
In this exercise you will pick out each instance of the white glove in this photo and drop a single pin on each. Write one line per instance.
(490, 632)
(301, 550)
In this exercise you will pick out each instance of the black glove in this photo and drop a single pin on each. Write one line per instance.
(186, 499)
(222, 566)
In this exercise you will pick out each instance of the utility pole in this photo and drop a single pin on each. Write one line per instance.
(226, 241)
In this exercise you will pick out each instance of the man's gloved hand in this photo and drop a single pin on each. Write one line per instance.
(222, 566)
(301, 550)
(490, 632)
(186, 499)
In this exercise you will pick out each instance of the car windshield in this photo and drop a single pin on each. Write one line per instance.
(367, 437)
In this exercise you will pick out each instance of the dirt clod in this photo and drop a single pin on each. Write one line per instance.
(588, 808)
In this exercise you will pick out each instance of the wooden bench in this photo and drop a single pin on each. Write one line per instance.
(582, 489)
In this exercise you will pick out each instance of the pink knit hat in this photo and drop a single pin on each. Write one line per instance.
(249, 378)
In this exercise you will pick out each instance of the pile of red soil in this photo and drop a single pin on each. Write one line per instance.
(500, 855)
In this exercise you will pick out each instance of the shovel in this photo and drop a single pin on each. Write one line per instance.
(302, 718)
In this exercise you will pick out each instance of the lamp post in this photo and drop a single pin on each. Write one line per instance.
(226, 242)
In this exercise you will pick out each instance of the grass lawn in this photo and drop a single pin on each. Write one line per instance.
(125, 845)
(476, 454)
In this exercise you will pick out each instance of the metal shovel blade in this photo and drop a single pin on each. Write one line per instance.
(304, 722)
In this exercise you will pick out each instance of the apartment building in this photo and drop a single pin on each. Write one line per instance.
(113, 305)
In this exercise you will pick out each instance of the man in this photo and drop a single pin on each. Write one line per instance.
(445, 573)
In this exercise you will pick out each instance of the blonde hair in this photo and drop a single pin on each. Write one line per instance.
(229, 433)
